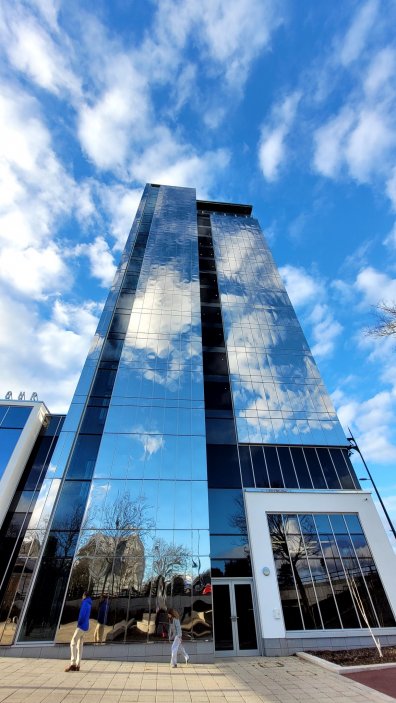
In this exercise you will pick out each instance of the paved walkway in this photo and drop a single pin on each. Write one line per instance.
(247, 680)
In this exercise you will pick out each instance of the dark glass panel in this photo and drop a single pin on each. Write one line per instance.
(94, 420)
(70, 509)
(226, 511)
(222, 618)
(119, 324)
(215, 363)
(220, 431)
(259, 467)
(246, 467)
(245, 614)
(324, 594)
(210, 314)
(223, 466)
(84, 457)
(342, 469)
(134, 266)
(286, 463)
(342, 594)
(125, 301)
(206, 252)
(288, 594)
(378, 595)
(217, 395)
(315, 470)
(104, 383)
(359, 593)
(212, 337)
(328, 468)
(345, 546)
(229, 546)
(300, 466)
(14, 597)
(61, 543)
(130, 282)
(16, 417)
(39, 458)
(231, 568)
(329, 545)
(41, 618)
(360, 545)
(207, 265)
(112, 350)
(350, 468)
(274, 473)
(210, 295)
(208, 279)
(306, 592)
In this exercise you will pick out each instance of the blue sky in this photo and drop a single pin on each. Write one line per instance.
(289, 106)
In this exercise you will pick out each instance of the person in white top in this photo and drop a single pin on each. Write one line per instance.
(175, 634)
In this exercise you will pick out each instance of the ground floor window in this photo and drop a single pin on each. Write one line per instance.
(326, 573)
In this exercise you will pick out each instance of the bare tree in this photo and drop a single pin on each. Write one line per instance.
(385, 325)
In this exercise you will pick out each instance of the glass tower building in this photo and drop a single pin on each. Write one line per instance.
(201, 465)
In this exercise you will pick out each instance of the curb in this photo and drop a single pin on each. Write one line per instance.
(330, 666)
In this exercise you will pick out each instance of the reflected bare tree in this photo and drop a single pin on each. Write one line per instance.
(118, 546)
(292, 550)
(168, 559)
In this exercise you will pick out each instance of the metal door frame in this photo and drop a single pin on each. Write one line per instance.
(236, 651)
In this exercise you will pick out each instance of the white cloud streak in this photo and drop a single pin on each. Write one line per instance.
(272, 148)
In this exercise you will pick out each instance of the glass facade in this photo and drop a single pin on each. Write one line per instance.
(199, 383)
(278, 395)
(19, 546)
(327, 576)
(131, 515)
(13, 419)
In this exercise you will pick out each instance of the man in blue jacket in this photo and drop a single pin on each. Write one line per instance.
(77, 641)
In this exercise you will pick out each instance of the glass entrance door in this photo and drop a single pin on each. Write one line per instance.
(233, 616)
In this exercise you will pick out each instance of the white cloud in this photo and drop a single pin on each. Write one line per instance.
(110, 125)
(120, 204)
(31, 50)
(172, 162)
(272, 150)
(32, 271)
(368, 144)
(329, 141)
(371, 421)
(325, 330)
(391, 187)
(356, 37)
(390, 239)
(381, 72)
(36, 194)
(301, 287)
(375, 286)
(228, 33)
(101, 260)
(44, 356)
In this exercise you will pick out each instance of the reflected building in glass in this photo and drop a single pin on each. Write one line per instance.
(201, 465)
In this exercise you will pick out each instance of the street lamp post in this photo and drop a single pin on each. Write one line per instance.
(354, 446)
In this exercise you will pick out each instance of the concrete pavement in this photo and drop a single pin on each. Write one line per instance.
(242, 680)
